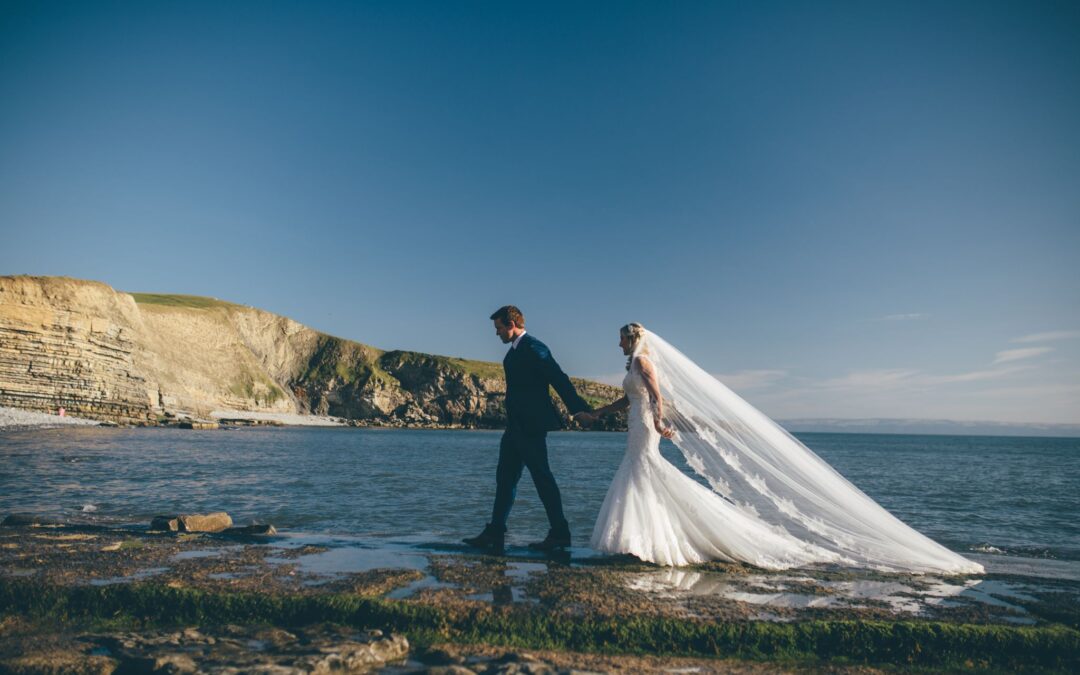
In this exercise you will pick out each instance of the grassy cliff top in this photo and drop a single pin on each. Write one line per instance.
(186, 301)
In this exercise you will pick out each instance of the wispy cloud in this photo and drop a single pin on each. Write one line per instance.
(1022, 353)
(902, 317)
(1049, 336)
(751, 379)
(870, 379)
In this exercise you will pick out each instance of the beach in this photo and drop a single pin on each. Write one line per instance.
(13, 419)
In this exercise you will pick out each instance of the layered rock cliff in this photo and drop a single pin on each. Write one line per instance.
(132, 358)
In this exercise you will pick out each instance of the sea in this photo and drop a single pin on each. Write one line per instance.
(1010, 503)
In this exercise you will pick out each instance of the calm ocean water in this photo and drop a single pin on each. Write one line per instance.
(1011, 503)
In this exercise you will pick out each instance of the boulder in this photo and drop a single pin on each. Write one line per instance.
(192, 522)
(210, 522)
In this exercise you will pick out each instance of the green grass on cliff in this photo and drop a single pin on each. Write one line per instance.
(905, 644)
(347, 361)
(484, 370)
(187, 301)
(257, 387)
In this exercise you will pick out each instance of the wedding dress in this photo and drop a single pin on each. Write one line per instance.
(773, 503)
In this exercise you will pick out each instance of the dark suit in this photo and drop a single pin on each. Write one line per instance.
(530, 414)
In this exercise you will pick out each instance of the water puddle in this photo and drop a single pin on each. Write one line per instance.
(428, 582)
(205, 553)
(347, 555)
(516, 574)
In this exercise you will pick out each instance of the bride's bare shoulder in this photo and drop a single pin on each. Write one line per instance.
(643, 364)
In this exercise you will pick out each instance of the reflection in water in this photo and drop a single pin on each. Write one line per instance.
(510, 588)
(917, 596)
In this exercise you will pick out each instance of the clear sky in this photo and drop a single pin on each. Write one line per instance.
(863, 209)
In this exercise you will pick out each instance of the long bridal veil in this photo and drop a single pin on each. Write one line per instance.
(768, 473)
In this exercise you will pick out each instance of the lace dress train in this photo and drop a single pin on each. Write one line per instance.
(656, 512)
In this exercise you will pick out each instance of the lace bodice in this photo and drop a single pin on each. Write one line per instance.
(639, 421)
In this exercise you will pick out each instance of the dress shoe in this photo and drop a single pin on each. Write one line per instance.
(493, 538)
(553, 541)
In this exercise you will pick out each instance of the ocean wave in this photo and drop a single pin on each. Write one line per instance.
(88, 508)
(1025, 551)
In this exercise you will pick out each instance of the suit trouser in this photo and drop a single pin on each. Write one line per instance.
(518, 450)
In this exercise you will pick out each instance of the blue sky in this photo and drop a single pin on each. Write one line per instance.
(843, 209)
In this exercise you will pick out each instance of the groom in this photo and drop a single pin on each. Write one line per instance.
(530, 414)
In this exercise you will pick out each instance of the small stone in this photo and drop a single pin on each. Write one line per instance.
(192, 634)
(276, 636)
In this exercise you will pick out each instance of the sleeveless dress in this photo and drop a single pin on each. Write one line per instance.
(656, 512)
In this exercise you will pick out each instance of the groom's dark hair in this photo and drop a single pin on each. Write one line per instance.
(509, 314)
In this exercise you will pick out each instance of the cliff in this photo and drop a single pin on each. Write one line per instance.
(132, 358)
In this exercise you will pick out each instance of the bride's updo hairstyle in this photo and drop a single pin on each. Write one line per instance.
(635, 335)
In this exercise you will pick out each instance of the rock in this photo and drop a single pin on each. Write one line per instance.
(277, 637)
(193, 522)
(59, 661)
(165, 524)
(211, 522)
(193, 634)
(195, 424)
(26, 520)
(252, 530)
(353, 656)
(164, 663)
(448, 670)
(440, 656)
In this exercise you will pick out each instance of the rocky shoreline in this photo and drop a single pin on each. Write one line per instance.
(15, 419)
(130, 599)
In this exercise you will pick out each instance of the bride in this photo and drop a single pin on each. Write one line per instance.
(773, 503)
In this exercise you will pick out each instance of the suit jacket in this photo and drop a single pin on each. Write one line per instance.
(530, 369)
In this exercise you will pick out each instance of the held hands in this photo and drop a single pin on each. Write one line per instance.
(666, 432)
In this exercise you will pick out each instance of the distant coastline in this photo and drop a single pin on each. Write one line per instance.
(13, 419)
(924, 427)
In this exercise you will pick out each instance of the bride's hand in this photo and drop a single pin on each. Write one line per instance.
(666, 432)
